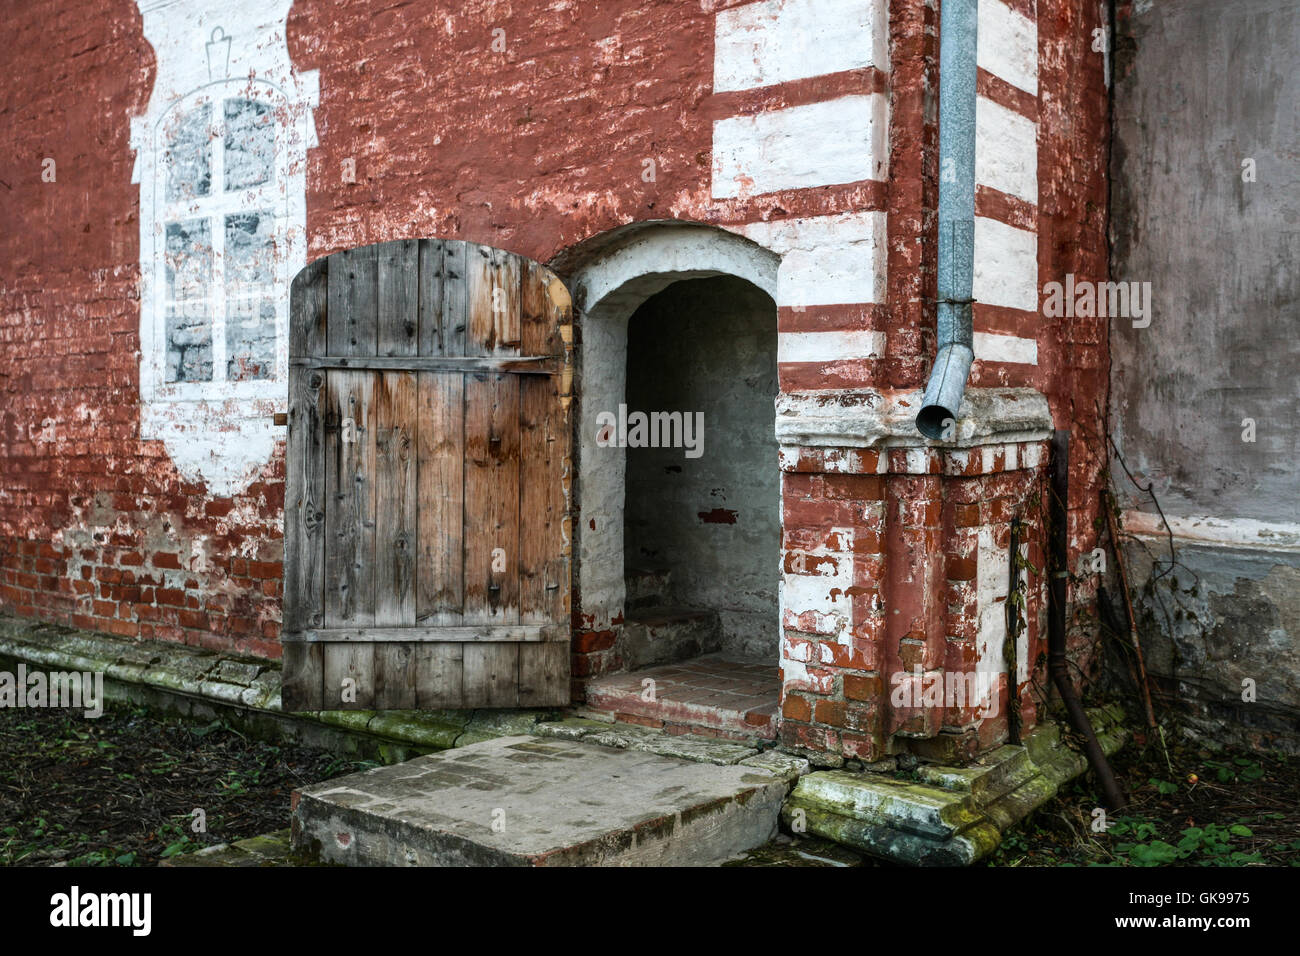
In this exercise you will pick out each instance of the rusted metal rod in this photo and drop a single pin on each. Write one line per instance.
(1057, 665)
(1107, 506)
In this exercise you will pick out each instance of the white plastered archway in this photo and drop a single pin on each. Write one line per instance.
(625, 269)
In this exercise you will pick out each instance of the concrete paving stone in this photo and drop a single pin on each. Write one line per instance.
(525, 801)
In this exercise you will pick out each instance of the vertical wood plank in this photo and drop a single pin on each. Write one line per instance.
(439, 674)
(491, 507)
(350, 661)
(455, 302)
(430, 291)
(544, 516)
(544, 674)
(393, 413)
(492, 286)
(395, 675)
(440, 510)
(349, 489)
(491, 675)
(303, 670)
(398, 305)
(353, 302)
(304, 512)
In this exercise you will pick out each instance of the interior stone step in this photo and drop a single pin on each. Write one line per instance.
(733, 697)
(527, 801)
(662, 635)
(648, 587)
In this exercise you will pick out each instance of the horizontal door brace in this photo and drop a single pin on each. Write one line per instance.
(517, 364)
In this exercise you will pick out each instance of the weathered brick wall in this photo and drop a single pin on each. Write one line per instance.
(97, 528)
(533, 128)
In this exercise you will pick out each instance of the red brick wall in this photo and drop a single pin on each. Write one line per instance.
(96, 527)
(532, 149)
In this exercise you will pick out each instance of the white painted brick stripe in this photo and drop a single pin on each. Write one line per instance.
(1006, 265)
(993, 347)
(826, 260)
(1008, 45)
(1006, 150)
(776, 41)
(819, 144)
(829, 346)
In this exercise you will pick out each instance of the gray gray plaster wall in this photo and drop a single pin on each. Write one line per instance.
(709, 345)
(1203, 86)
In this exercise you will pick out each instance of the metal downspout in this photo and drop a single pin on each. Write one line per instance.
(958, 34)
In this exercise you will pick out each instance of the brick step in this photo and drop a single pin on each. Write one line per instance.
(648, 587)
(662, 635)
(714, 695)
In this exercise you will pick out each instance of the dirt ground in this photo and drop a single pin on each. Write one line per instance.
(1198, 807)
(121, 790)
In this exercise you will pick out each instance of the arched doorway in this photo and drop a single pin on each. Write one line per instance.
(677, 486)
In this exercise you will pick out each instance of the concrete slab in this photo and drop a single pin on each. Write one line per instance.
(530, 801)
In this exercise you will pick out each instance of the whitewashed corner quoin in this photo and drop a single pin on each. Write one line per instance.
(220, 158)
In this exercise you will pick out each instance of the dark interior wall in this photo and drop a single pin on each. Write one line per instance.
(1203, 86)
(709, 345)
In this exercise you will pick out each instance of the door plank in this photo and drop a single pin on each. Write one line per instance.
(304, 539)
(455, 302)
(396, 533)
(353, 302)
(544, 484)
(303, 669)
(398, 278)
(492, 286)
(491, 675)
(394, 676)
(439, 676)
(344, 663)
(543, 675)
(350, 505)
(430, 265)
(491, 506)
(440, 439)
(393, 411)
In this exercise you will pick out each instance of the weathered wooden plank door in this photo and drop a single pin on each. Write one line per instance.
(427, 507)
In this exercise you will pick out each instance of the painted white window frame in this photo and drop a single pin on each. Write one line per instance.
(214, 208)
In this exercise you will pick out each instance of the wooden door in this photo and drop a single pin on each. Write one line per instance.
(427, 515)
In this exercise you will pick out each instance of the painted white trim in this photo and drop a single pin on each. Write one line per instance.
(801, 147)
(219, 433)
(830, 346)
(1006, 150)
(776, 41)
(1213, 530)
(826, 260)
(1008, 45)
(993, 347)
(1006, 265)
